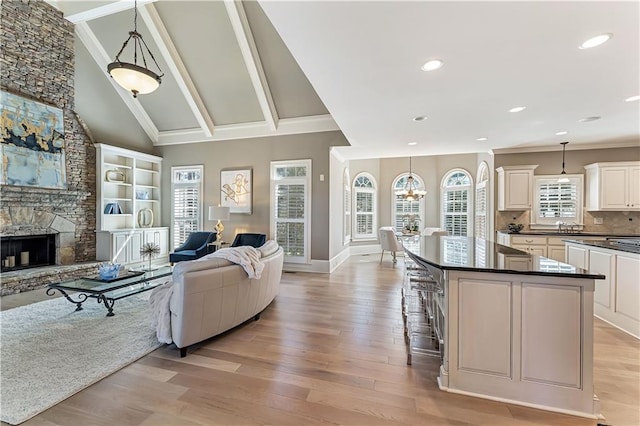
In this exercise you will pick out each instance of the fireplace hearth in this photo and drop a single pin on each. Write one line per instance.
(29, 251)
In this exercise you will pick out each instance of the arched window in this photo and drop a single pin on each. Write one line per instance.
(365, 207)
(482, 183)
(456, 202)
(346, 185)
(407, 213)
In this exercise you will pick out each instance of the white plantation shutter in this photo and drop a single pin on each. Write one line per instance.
(456, 209)
(481, 201)
(290, 182)
(186, 200)
(558, 202)
(365, 207)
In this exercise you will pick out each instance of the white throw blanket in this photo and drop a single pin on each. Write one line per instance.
(246, 256)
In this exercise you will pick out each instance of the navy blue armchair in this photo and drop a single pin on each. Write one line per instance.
(197, 245)
(248, 239)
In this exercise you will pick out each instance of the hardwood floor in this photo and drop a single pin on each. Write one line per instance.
(330, 350)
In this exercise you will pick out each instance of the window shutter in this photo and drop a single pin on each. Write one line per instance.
(187, 202)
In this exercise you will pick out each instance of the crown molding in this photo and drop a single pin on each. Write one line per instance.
(286, 126)
(575, 147)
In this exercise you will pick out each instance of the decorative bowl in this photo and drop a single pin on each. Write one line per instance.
(108, 271)
(514, 228)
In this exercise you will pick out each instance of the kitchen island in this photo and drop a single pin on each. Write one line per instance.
(517, 327)
(617, 298)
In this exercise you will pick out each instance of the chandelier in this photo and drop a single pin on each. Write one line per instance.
(138, 79)
(410, 192)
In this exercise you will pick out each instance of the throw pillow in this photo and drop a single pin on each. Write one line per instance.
(268, 248)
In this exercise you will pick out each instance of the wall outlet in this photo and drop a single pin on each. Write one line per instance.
(598, 221)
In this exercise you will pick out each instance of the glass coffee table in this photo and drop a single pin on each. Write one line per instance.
(127, 284)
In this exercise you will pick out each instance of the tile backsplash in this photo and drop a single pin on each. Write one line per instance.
(614, 222)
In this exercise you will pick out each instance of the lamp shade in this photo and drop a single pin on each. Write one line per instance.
(219, 213)
(134, 78)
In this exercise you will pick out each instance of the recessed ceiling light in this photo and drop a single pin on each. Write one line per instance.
(596, 41)
(484, 138)
(587, 119)
(564, 132)
(517, 109)
(432, 65)
(412, 143)
(633, 98)
(419, 118)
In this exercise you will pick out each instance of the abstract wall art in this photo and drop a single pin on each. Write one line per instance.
(32, 145)
(235, 187)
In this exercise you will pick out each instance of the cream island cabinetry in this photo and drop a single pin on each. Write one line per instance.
(128, 205)
(550, 246)
(516, 327)
(613, 186)
(617, 297)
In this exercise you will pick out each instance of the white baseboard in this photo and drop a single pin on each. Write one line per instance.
(319, 266)
(364, 249)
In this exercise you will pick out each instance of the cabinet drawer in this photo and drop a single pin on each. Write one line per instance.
(528, 239)
(558, 241)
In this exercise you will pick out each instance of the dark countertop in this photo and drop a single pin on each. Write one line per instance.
(476, 254)
(572, 234)
(611, 245)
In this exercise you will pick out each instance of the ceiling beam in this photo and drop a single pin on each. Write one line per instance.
(287, 126)
(104, 10)
(177, 68)
(101, 57)
(247, 44)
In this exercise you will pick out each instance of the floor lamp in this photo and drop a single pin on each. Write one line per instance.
(219, 213)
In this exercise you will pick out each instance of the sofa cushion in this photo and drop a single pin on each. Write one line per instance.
(268, 248)
(205, 262)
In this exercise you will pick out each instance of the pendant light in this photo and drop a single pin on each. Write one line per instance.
(563, 175)
(411, 191)
(136, 78)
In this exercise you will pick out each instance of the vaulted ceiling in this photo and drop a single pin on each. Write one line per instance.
(247, 69)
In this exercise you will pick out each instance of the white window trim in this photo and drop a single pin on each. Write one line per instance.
(482, 183)
(374, 228)
(346, 201)
(470, 199)
(175, 169)
(306, 180)
(421, 209)
(551, 223)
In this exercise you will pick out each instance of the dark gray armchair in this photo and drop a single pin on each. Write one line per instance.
(249, 239)
(197, 245)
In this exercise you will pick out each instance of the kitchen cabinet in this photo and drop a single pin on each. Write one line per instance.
(515, 187)
(536, 245)
(549, 246)
(617, 298)
(613, 186)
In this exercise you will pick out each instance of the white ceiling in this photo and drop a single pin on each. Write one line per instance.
(243, 69)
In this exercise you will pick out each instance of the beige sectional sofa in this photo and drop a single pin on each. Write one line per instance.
(212, 296)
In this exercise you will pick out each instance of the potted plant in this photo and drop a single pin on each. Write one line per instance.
(149, 250)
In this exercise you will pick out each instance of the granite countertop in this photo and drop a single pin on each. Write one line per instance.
(611, 245)
(477, 254)
(572, 234)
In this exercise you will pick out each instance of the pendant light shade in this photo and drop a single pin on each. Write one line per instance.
(563, 178)
(411, 191)
(136, 78)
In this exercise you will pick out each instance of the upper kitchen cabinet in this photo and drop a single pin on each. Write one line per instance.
(613, 186)
(515, 187)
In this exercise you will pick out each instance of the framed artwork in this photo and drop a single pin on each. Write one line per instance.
(236, 190)
(32, 143)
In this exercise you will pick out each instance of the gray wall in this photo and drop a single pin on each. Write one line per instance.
(257, 154)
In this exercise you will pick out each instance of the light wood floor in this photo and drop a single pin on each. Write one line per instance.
(329, 350)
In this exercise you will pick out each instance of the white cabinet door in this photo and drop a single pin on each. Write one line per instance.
(135, 244)
(538, 250)
(614, 188)
(159, 237)
(628, 290)
(634, 187)
(120, 249)
(600, 263)
(556, 253)
(577, 256)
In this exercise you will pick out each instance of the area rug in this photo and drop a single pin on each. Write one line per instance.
(49, 352)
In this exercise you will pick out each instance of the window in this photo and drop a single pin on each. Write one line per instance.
(407, 213)
(364, 198)
(482, 182)
(186, 189)
(346, 197)
(456, 203)
(557, 202)
(290, 208)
